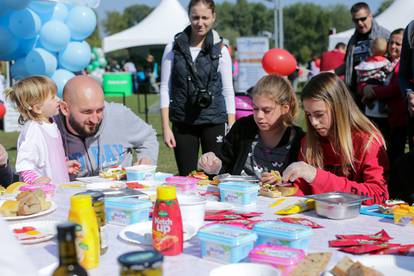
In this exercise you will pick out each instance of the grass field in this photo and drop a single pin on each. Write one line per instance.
(166, 161)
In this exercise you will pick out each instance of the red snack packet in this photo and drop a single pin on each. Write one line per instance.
(348, 242)
(251, 214)
(405, 250)
(301, 221)
(380, 236)
(367, 248)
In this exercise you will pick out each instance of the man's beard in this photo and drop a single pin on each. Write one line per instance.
(80, 130)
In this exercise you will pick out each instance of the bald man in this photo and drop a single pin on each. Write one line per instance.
(99, 134)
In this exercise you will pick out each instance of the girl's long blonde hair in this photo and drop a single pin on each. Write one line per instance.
(29, 92)
(281, 92)
(346, 118)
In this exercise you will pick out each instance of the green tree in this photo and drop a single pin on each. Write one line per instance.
(95, 39)
(132, 15)
(384, 5)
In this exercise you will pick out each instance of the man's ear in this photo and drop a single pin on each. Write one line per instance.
(64, 108)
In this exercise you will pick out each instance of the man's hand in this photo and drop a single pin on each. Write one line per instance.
(3, 155)
(299, 170)
(410, 98)
(144, 160)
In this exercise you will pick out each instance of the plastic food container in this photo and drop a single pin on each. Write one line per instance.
(126, 211)
(404, 215)
(192, 210)
(282, 233)
(183, 183)
(140, 172)
(338, 205)
(282, 257)
(225, 244)
(239, 193)
(49, 189)
(161, 176)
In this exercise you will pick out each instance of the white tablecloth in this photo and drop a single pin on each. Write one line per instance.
(189, 263)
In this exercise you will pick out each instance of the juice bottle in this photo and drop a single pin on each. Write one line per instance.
(167, 225)
(87, 234)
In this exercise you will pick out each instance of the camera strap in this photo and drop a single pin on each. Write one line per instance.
(193, 71)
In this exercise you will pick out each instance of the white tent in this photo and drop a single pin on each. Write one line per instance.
(159, 27)
(398, 15)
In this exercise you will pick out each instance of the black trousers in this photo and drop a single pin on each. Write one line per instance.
(188, 140)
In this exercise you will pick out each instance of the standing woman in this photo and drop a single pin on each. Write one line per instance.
(197, 93)
(342, 150)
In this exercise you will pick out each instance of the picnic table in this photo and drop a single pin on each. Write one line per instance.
(45, 255)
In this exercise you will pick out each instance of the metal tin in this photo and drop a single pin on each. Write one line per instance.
(141, 263)
(236, 178)
(338, 205)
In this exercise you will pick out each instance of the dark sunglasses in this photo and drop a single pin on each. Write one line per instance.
(362, 19)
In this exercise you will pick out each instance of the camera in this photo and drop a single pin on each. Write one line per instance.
(204, 98)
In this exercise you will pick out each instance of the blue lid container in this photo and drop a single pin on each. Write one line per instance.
(224, 243)
(239, 193)
(127, 210)
(282, 233)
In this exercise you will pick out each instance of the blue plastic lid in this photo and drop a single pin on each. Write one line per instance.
(288, 231)
(127, 203)
(239, 186)
(226, 234)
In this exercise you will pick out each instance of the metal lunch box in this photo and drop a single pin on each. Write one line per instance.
(236, 178)
(338, 205)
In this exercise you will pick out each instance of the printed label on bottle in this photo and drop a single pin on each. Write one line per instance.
(81, 246)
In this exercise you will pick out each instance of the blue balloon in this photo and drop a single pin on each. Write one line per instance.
(76, 56)
(4, 17)
(8, 43)
(81, 22)
(15, 4)
(26, 45)
(24, 23)
(60, 12)
(41, 62)
(54, 35)
(61, 77)
(18, 69)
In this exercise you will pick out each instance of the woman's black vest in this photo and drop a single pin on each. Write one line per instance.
(184, 107)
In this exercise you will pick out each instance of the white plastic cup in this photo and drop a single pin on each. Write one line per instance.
(192, 210)
(245, 269)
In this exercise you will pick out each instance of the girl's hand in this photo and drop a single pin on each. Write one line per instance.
(299, 170)
(209, 163)
(41, 180)
(73, 167)
(3, 155)
(269, 178)
(169, 139)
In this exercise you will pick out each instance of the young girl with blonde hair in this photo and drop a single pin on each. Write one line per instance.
(40, 154)
(264, 141)
(343, 151)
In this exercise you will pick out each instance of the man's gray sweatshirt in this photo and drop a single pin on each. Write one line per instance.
(119, 131)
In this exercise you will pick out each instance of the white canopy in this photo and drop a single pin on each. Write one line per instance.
(159, 27)
(398, 15)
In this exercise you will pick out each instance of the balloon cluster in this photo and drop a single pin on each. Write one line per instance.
(46, 37)
(96, 68)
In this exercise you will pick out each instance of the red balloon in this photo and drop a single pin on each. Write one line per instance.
(279, 62)
(2, 110)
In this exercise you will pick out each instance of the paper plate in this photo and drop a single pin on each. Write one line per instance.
(389, 264)
(245, 269)
(42, 230)
(52, 208)
(105, 185)
(141, 233)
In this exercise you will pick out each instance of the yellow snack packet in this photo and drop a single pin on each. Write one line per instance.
(298, 207)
